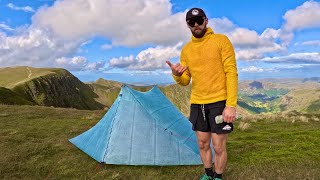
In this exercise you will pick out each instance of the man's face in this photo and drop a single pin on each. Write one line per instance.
(198, 26)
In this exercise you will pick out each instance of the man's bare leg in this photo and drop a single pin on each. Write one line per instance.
(204, 139)
(220, 157)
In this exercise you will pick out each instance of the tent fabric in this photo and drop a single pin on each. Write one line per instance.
(141, 128)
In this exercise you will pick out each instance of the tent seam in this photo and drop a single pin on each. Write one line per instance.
(155, 119)
(130, 155)
(155, 124)
(155, 142)
(111, 128)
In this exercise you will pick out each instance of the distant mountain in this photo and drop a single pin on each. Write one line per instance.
(280, 95)
(59, 88)
(301, 100)
(316, 79)
(256, 85)
(48, 87)
(107, 91)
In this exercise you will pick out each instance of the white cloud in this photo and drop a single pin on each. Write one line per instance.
(305, 16)
(93, 66)
(299, 58)
(292, 66)
(221, 25)
(257, 53)
(249, 45)
(106, 46)
(129, 23)
(78, 63)
(167, 72)
(17, 8)
(5, 27)
(248, 55)
(252, 46)
(271, 34)
(245, 38)
(34, 47)
(74, 63)
(121, 62)
(251, 69)
(309, 43)
(147, 60)
(60, 30)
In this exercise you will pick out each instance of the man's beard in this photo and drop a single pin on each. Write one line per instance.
(199, 34)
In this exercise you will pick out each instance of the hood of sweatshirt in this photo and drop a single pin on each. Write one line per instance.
(208, 32)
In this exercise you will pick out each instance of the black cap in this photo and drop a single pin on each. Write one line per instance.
(194, 12)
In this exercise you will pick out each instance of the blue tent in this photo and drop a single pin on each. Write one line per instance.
(141, 128)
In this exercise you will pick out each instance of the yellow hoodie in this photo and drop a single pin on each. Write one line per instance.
(212, 66)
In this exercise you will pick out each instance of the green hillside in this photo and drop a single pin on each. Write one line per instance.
(302, 100)
(9, 97)
(269, 99)
(179, 96)
(49, 87)
(280, 95)
(108, 90)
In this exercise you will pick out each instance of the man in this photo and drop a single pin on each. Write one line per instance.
(209, 59)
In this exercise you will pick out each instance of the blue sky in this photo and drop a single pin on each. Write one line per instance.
(129, 41)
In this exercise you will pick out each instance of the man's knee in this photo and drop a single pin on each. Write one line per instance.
(218, 150)
(203, 145)
(219, 142)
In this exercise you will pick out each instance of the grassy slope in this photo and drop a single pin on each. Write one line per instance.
(12, 76)
(49, 87)
(301, 99)
(10, 98)
(106, 90)
(179, 96)
(34, 145)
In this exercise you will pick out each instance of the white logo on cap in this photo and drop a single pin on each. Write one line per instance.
(195, 12)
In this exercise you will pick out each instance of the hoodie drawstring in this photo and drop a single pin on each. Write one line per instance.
(203, 112)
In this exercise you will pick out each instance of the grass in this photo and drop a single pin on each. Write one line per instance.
(11, 76)
(34, 145)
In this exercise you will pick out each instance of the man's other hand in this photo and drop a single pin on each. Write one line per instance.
(229, 114)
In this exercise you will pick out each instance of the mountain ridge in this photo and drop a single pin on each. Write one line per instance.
(59, 88)
(48, 87)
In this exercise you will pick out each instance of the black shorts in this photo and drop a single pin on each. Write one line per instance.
(202, 117)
